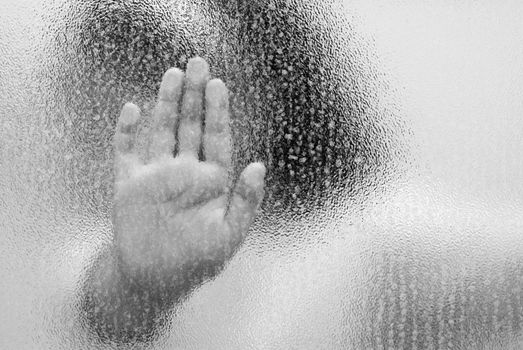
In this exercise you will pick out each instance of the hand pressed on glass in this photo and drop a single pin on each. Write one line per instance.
(172, 212)
(175, 220)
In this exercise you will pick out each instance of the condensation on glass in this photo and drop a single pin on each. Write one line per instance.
(392, 137)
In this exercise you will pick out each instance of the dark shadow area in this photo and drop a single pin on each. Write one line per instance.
(304, 94)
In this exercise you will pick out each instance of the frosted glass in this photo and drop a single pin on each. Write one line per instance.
(392, 137)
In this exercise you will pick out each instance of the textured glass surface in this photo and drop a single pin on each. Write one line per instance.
(392, 135)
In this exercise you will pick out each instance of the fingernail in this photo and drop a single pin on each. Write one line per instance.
(216, 92)
(255, 176)
(171, 83)
(129, 115)
(197, 72)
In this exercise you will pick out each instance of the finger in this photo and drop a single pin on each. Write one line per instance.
(165, 114)
(189, 131)
(217, 138)
(124, 140)
(247, 197)
(125, 136)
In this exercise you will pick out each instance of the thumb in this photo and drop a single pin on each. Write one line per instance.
(246, 199)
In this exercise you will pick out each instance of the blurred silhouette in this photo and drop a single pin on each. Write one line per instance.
(303, 100)
(312, 121)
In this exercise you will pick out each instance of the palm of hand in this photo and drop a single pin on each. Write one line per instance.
(171, 212)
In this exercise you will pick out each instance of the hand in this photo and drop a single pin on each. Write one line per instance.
(175, 213)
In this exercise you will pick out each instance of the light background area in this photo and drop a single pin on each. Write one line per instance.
(458, 68)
